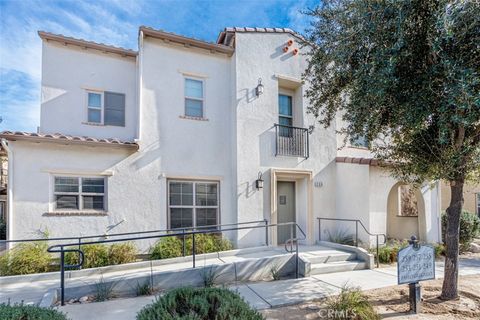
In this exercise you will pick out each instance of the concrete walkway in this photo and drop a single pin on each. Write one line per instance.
(264, 295)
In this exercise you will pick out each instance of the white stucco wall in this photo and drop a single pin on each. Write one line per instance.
(67, 72)
(257, 56)
(183, 148)
(132, 190)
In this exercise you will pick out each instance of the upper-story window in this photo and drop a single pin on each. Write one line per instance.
(107, 108)
(285, 114)
(194, 98)
(359, 142)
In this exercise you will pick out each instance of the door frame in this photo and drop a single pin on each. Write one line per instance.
(298, 176)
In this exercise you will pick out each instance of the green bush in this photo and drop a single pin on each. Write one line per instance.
(342, 237)
(171, 247)
(351, 303)
(388, 253)
(122, 253)
(29, 312)
(168, 247)
(469, 228)
(3, 229)
(95, 255)
(199, 304)
(26, 258)
(100, 255)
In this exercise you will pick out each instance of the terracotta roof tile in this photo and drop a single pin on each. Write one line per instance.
(58, 137)
(358, 160)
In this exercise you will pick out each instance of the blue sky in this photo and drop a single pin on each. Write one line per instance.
(113, 22)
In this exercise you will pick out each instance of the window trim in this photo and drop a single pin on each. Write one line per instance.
(194, 207)
(185, 97)
(102, 106)
(80, 194)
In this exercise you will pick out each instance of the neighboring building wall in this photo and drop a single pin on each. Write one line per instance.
(470, 196)
(67, 73)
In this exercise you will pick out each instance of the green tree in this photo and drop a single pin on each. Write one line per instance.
(404, 74)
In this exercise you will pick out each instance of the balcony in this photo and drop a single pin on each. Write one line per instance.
(291, 141)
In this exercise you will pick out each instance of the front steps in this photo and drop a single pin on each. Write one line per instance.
(330, 261)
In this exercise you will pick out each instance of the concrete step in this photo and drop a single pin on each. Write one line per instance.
(339, 266)
(332, 257)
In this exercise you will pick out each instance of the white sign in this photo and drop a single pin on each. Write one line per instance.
(416, 264)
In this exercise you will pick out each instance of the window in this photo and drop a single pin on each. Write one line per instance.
(94, 107)
(75, 193)
(360, 141)
(193, 204)
(106, 108)
(285, 115)
(194, 98)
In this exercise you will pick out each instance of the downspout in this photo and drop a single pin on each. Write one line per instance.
(9, 190)
(139, 85)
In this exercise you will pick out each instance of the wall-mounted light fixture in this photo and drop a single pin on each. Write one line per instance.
(259, 181)
(259, 88)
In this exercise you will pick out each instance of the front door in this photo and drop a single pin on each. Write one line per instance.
(285, 210)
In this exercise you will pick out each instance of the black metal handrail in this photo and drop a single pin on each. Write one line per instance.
(291, 141)
(60, 248)
(357, 222)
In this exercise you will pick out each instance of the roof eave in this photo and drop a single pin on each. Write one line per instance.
(37, 139)
(47, 36)
(186, 41)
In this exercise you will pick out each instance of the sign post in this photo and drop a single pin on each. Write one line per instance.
(415, 263)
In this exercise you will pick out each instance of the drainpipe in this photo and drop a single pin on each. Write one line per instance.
(9, 190)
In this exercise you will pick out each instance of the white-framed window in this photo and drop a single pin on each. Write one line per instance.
(94, 107)
(194, 97)
(193, 203)
(106, 108)
(79, 193)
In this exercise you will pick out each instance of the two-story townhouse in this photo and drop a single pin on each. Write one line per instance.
(185, 133)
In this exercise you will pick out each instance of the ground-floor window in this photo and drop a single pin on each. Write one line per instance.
(192, 203)
(79, 193)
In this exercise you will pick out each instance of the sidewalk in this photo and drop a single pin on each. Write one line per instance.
(264, 295)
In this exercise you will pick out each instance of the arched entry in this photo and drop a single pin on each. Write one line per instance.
(405, 212)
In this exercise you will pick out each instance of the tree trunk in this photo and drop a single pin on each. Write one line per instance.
(452, 238)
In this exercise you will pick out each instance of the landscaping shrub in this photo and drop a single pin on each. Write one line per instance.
(199, 304)
(26, 258)
(168, 247)
(29, 312)
(388, 253)
(95, 255)
(100, 255)
(3, 229)
(351, 303)
(342, 237)
(119, 253)
(469, 228)
(171, 247)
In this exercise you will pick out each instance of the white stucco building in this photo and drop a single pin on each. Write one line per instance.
(176, 135)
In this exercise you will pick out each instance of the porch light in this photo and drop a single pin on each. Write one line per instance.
(259, 88)
(259, 181)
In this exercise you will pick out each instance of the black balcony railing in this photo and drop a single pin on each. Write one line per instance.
(291, 141)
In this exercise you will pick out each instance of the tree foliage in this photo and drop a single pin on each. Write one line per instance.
(405, 74)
